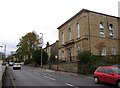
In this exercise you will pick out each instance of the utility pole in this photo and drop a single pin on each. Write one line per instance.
(5, 50)
(1, 52)
(41, 47)
(56, 57)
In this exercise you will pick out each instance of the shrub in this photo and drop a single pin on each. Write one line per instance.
(88, 62)
(27, 61)
(37, 57)
(84, 57)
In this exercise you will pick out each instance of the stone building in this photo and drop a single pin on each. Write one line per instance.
(89, 30)
(52, 49)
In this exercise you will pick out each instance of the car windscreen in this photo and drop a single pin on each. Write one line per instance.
(116, 70)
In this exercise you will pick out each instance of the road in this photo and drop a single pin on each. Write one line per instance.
(31, 76)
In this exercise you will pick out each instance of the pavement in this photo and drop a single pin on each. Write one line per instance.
(2, 69)
(71, 74)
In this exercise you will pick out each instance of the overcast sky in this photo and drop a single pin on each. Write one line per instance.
(18, 17)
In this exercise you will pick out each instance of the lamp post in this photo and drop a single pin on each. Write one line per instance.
(1, 52)
(56, 57)
(5, 50)
(41, 48)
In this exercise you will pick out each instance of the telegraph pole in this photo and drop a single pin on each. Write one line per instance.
(5, 50)
(41, 48)
(1, 52)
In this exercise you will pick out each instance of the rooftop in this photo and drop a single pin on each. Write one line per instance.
(81, 11)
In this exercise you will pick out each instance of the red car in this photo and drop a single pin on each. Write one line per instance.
(107, 74)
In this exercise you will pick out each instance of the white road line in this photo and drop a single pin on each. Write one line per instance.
(44, 73)
(50, 78)
(68, 84)
(49, 70)
(12, 79)
(36, 73)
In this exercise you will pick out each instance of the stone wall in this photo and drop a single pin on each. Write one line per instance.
(66, 67)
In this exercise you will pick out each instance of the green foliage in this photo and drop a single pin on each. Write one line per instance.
(88, 62)
(27, 44)
(45, 57)
(52, 58)
(84, 57)
(47, 44)
(36, 56)
(28, 61)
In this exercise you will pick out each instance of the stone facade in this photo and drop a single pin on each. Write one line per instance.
(47, 49)
(52, 49)
(89, 30)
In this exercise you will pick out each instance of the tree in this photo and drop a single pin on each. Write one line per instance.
(28, 44)
(47, 45)
(84, 57)
(37, 57)
(51, 60)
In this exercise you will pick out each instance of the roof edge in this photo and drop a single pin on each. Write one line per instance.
(85, 10)
(81, 11)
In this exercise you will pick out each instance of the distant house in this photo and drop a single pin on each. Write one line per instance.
(52, 49)
(89, 30)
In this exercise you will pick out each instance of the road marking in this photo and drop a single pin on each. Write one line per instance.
(68, 84)
(50, 78)
(36, 73)
(49, 70)
(12, 79)
(44, 73)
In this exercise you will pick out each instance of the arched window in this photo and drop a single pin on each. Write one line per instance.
(62, 55)
(69, 33)
(113, 51)
(103, 52)
(62, 35)
(78, 30)
(102, 34)
(111, 31)
(78, 49)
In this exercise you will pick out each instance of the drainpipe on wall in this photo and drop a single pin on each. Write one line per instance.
(89, 32)
(118, 36)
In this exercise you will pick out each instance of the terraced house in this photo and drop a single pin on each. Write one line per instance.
(89, 30)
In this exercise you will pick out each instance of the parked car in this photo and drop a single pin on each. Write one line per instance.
(21, 63)
(116, 65)
(16, 66)
(107, 74)
(10, 63)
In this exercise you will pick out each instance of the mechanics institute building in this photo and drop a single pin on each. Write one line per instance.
(89, 30)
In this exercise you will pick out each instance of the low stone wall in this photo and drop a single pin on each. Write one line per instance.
(65, 67)
(69, 67)
(46, 66)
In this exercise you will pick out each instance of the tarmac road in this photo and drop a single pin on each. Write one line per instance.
(38, 77)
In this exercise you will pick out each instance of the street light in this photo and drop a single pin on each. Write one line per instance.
(41, 48)
(5, 50)
(56, 57)
(1, 52)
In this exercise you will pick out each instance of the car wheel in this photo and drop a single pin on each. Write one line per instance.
(118, 84)
(96, 80)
